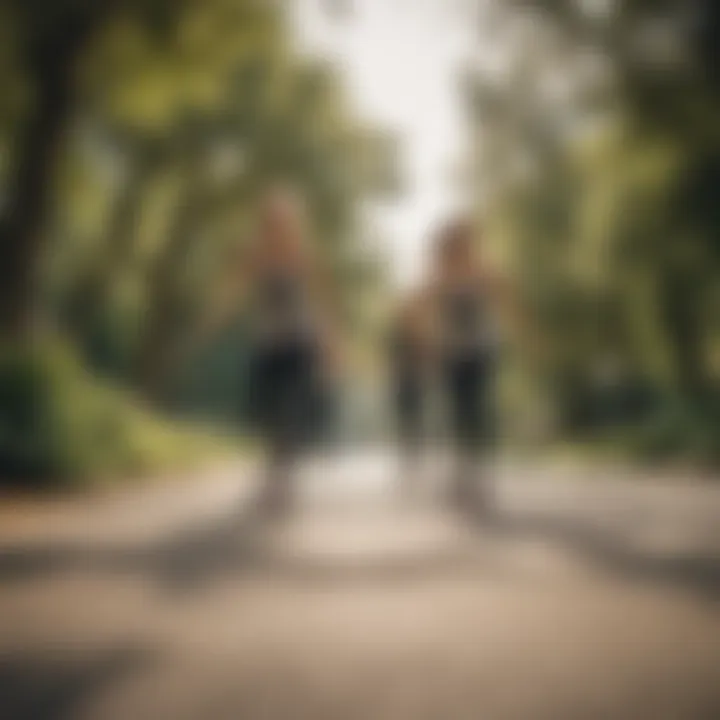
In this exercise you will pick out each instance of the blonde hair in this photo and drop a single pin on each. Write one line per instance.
(284, 202)
(454, 234)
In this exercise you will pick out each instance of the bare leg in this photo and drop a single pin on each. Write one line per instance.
(468, 388)
(409, 468)
(276, 494)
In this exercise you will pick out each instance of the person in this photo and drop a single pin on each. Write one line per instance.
(292, 344)
(409, 364)
(469, 301)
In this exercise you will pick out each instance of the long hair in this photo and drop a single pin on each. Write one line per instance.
(455, 236)
(282, 217)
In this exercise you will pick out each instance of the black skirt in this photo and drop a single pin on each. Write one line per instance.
(283, 388)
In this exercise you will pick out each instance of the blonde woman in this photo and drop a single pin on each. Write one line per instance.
(286, 294)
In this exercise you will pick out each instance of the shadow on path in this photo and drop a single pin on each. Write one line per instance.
(34, 689)
(694, 572)
(182, 561)
(234, 546)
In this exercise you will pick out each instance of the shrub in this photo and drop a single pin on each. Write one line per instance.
(61, 426)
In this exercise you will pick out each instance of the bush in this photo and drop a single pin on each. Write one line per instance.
(60, 426)
(678, 432)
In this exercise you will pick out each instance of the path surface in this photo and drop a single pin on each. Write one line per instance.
(587, 598)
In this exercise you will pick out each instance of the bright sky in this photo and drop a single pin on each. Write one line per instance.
(401, 60)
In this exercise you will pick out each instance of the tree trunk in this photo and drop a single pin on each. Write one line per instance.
(51, 64)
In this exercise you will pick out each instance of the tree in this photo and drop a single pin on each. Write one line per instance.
(55, 40)
(597, 168)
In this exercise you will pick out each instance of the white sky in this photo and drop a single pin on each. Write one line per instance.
(400, 59)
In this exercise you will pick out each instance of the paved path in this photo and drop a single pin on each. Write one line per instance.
(587, 598)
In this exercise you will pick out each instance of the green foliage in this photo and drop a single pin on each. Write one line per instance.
(677, 432)
(60, 426)
(178, 114)
(135, 137)
(605, 199)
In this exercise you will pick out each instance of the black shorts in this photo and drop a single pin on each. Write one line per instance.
(468, 385)
(283, 381)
